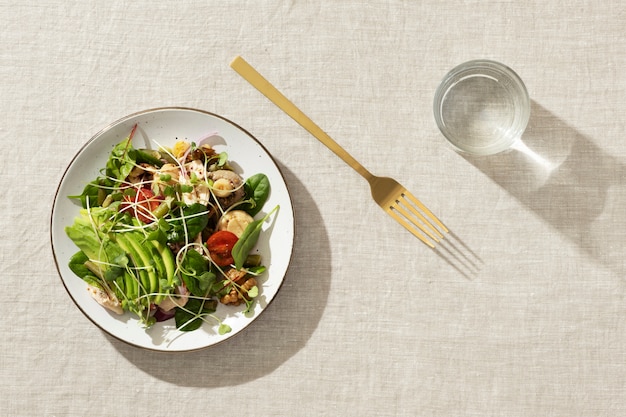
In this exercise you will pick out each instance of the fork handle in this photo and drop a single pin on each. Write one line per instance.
(251, 75)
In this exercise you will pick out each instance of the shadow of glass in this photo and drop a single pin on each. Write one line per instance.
(277, 334)
(568, 181)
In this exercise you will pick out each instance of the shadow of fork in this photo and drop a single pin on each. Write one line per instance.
(456, 253)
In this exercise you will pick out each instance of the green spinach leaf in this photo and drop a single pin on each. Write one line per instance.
(189, 317)
(257, 189)
(248, 240)
(77, 264)
(189, 218)
(196, 274)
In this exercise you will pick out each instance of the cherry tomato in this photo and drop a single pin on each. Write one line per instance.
(141, 205)
(220, 244)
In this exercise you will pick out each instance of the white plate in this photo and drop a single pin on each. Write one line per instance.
(163, 126)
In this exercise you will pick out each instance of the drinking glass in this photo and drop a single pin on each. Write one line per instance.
(482, 107)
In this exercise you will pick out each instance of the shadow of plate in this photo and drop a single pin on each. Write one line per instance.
(277, 334)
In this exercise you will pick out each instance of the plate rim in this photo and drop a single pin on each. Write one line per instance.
(108, 127)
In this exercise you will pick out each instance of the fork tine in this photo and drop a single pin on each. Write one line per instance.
(406, 211)
(410, 226)
(402, 202)
(427, 212)
(401, 206)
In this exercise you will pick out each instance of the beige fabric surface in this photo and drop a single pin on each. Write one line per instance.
(369, 322)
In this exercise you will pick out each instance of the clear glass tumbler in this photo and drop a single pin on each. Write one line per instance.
(482, 107)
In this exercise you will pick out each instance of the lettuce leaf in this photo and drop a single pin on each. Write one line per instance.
(95, 246)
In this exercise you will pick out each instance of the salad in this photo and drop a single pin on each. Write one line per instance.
(169, 234)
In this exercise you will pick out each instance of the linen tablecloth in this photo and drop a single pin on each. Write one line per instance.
(369, 321)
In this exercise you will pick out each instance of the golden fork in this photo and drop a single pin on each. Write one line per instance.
(396, 200)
